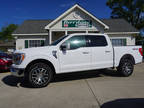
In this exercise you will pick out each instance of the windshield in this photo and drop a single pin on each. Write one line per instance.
(59, 40)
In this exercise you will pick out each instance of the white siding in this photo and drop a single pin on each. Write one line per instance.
(19, 44)
(20, 41)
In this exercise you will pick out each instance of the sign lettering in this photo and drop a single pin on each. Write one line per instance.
(76, 23)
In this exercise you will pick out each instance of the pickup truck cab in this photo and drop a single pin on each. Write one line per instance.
(73, 53)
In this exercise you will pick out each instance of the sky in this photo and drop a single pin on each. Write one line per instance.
(16, 11)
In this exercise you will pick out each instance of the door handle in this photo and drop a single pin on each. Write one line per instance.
(85, 52)
(107, 51)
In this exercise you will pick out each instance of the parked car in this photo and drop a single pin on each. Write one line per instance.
(141, 42)
(73, 53)
(5, 61)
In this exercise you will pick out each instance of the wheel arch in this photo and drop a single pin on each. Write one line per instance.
(43, 61)
(129, 57)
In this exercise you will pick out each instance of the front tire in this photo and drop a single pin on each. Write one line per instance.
(39, 75)
(125, 67)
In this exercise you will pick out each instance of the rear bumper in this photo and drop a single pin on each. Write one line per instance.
(17, 72)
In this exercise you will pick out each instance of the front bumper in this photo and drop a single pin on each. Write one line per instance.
(17, 72)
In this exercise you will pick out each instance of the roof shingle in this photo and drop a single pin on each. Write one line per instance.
(38, 26)
(32, 26)
(119, 25)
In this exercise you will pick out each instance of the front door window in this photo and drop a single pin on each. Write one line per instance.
(76, 42)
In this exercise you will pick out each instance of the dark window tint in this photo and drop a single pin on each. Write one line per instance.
(76, 42)
(96, 41)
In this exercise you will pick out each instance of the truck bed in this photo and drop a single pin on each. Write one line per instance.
(120, 51)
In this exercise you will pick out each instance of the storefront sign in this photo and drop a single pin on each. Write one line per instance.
(77, 23)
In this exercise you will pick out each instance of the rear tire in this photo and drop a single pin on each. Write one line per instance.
(39, 75)
(125, 67)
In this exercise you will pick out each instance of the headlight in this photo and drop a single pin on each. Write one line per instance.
(18, 58)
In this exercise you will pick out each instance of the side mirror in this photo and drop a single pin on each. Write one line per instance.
(63, 47)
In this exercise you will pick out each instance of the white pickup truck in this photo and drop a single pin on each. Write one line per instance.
(73, 53)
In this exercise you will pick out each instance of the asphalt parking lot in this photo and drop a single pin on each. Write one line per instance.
(76, 90)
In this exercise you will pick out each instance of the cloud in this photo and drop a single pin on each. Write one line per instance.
(67, 4)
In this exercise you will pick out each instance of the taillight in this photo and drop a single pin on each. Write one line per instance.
(2, 61)
(141, 51)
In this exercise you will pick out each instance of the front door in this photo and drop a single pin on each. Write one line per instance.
(77, 57)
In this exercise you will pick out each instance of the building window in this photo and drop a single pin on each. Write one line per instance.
(119, 42)
(34, 43)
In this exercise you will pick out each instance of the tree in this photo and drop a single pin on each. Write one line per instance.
(130, 10)
(6, 32)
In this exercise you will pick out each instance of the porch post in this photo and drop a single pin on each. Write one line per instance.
(50, 36)
(66, 32)
(86, 31)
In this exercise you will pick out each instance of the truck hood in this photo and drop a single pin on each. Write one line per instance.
(36, 50)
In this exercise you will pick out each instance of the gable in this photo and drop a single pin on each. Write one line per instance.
(80, 15)
(77, 19)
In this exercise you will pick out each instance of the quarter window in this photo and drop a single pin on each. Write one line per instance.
(94, 41)
(76, 42)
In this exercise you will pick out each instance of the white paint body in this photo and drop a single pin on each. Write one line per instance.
(76, 60)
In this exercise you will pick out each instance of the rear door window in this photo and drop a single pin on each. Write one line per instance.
(96, 41)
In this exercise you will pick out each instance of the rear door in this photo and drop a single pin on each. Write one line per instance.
(102, 55)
